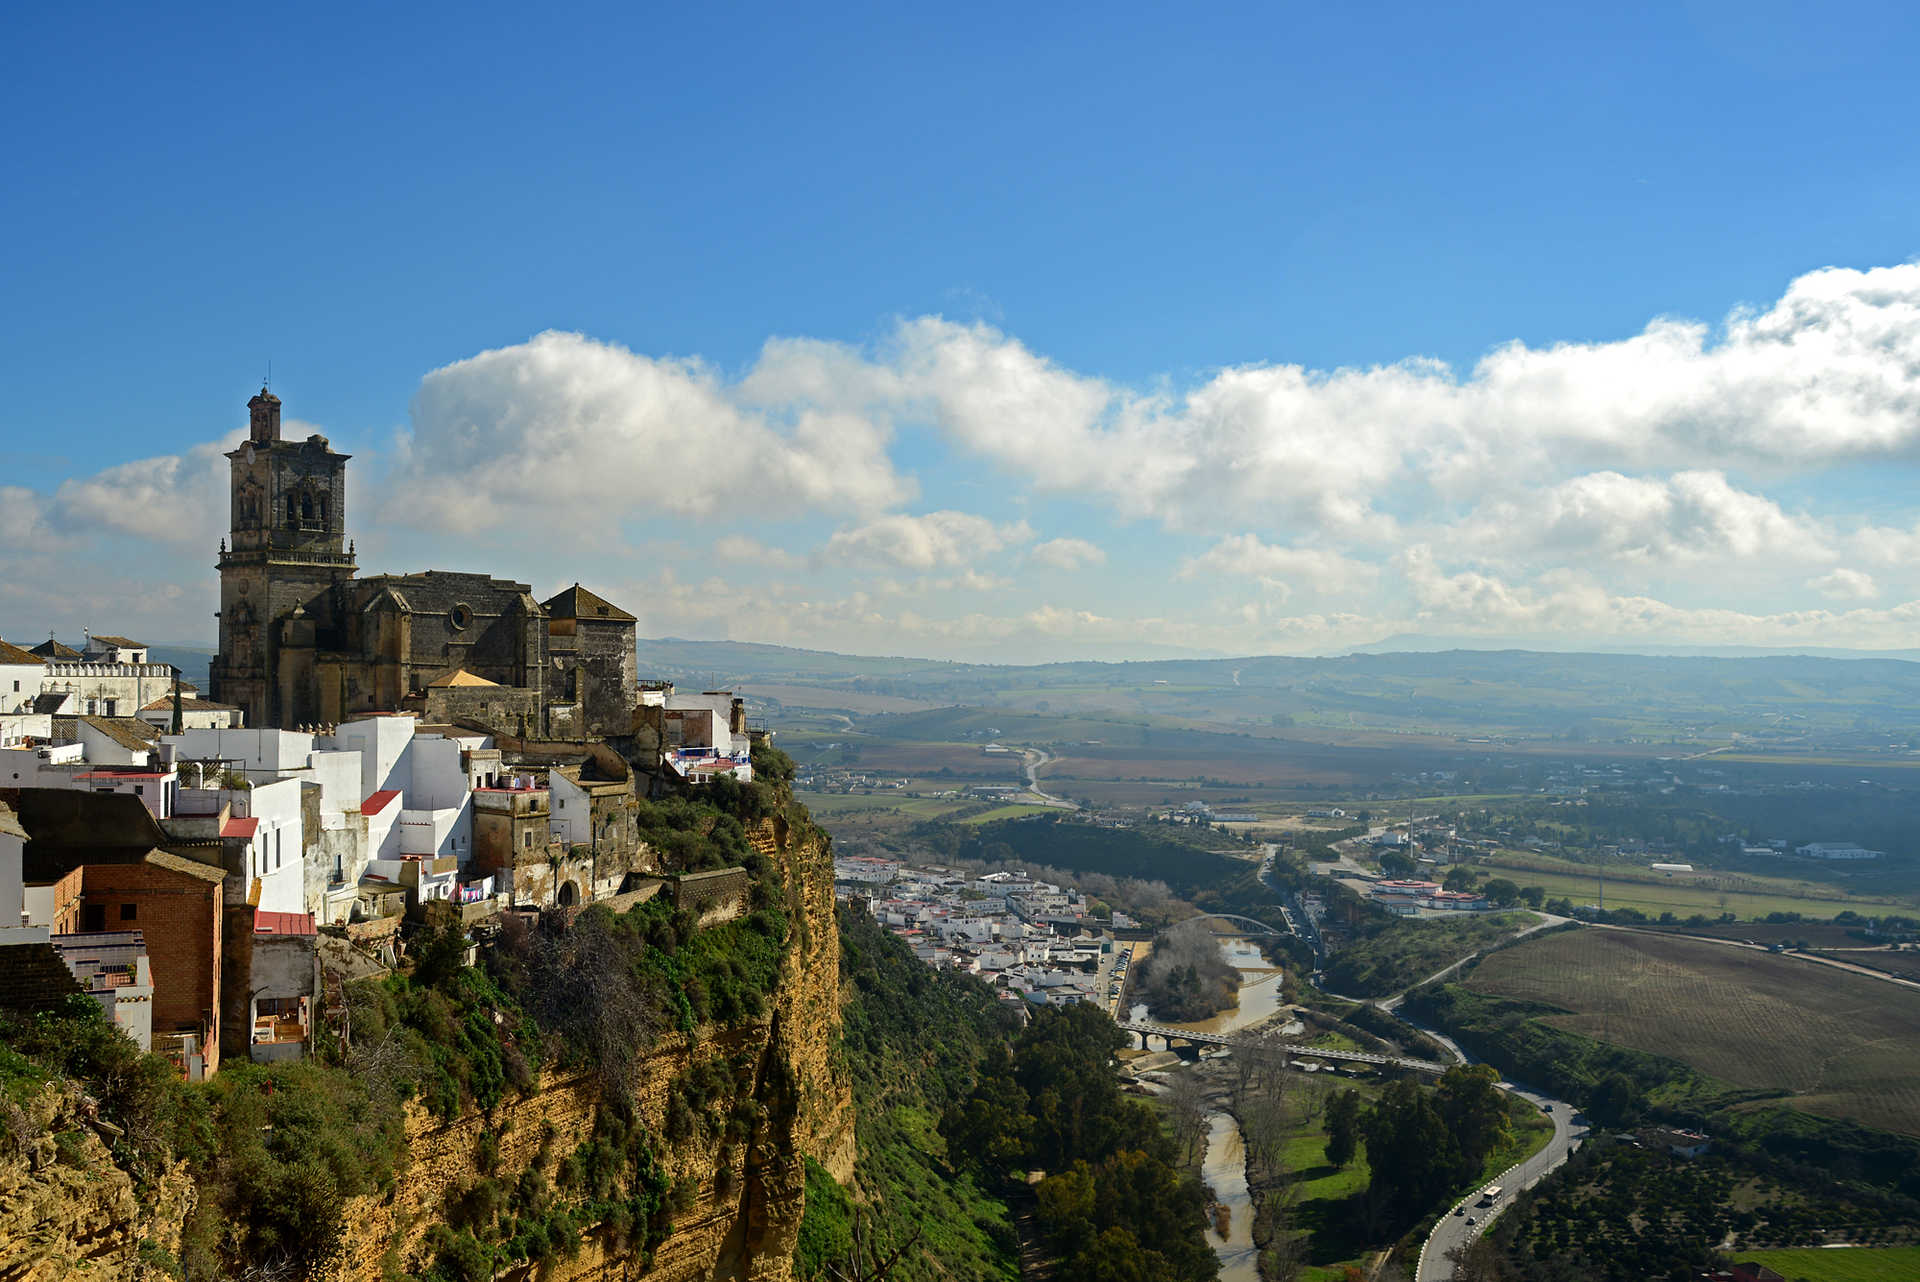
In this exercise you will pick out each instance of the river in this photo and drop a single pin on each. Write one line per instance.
(1224, 1166)
(1225, 1171)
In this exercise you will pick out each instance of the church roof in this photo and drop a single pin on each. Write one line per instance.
(578, 603)
(13, 654)
(122, 643)
(51, 649)
(460, 677)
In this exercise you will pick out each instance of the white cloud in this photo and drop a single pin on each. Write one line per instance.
(1245, 556)
(1067, 554)
(745, 549)
(1829, 373)
(563, 424)
(1845, 585)
(177, 498)
(1679, 519)
(926, 542)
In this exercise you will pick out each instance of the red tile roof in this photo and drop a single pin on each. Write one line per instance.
(240, 828)
(266, 923)
(379, 801)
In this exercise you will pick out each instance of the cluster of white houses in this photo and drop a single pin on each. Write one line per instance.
(185, 876)
(1031, 940)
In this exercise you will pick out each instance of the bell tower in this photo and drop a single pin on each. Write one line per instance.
(263, 418)
(286, 547)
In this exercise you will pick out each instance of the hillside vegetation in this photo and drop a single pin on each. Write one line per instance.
(1409, 950)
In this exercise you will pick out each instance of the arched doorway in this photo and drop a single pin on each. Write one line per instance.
(569, 896)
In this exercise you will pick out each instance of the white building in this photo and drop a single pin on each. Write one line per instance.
(1836, 850)
(21, 672)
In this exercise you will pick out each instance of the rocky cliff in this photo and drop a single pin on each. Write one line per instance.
(746, 1198)
(68, 1213)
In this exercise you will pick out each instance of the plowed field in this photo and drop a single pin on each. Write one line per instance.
(1843, 1044)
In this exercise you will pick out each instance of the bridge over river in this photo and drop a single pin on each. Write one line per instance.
(1144, 1030)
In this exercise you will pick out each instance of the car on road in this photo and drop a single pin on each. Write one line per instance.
(1471, 1221)
(1546, 1108)
(1459, 1210)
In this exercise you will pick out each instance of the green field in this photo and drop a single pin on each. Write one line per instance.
(1841, 1264)
(1683, 895)
(1839, 1044)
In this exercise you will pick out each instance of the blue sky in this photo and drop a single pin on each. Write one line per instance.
(1005, 332)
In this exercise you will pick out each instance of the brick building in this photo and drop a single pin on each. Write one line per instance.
(177, 904)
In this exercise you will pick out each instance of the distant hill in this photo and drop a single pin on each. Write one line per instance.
(1768, 697)
(1421, 643)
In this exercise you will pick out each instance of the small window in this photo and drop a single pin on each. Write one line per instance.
(461, 617)
(139, 790)
(129, 912)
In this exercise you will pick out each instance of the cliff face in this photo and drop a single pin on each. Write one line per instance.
(67, 1212)
(745, 1215)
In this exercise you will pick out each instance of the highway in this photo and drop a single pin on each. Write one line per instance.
(1454, 1231)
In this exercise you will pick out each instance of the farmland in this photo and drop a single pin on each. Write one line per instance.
(1842, 1264)
(1684, 895)
(1839, 1044)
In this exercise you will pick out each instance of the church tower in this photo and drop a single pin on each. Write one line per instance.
(285, 550)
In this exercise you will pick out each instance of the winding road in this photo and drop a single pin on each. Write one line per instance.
(1033, 759)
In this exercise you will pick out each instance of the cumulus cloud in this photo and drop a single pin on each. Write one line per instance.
(1686, 517)
(177, 498)
(744, 549)
(926, 542)
(1845, 585)
(564, 424)
(1246, 556)
(1067, 554)
(1829, 373)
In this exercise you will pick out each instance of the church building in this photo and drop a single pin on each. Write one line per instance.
(304, 641)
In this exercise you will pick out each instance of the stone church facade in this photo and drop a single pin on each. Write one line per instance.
(305, 641)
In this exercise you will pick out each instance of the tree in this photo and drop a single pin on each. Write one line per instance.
(1343, 1128)
(1397, 863)
(1470, 1102)
(1413, 1155)
(1502, 892)
(1616, 1100)
(1533, 896)
(1460, 877)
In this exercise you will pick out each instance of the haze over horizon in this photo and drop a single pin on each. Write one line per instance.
(1029, 337)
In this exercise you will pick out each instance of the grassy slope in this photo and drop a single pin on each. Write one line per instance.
(1406, 952)
(913, 1037)
(1841, 1264)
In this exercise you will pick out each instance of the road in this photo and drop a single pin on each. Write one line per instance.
(1453, 1231)
(1034, 758)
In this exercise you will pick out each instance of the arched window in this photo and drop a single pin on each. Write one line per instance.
(293, 518)
(306, 507)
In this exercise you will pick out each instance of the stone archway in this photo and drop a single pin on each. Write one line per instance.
(569, 894)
